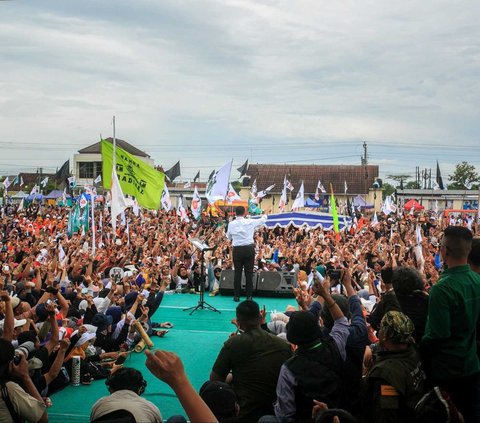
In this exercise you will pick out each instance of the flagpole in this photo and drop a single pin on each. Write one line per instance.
(92, 195)
(114, 159)
(114, 164)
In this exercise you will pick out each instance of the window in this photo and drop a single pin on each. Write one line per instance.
(89, 170)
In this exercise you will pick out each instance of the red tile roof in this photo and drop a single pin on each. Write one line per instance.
(359, 178)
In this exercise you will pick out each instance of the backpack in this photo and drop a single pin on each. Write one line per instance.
(436, 406)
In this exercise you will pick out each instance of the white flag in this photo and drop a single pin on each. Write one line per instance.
(232, 195)
(123, 219)
(283, 200)
(253, 190)
(181, 210)
(34, 190)
(418, 234)
(61, 253)
(320, 189)
(117, 203)
(299, 199)
(135, 208)
(20, 206)
(166, 201)
(196, 205)
(187, 185)
(72, 182)
(64, 197)
(287, 184)
(217, 186)
(44, 182)
(21, 180)
(388, 206)
(83, 201)
(6, 183)
(375, 220)
(263, 193)
(98, 179)
(346, 187)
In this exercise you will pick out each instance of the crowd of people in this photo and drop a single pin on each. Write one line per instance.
(383, 329)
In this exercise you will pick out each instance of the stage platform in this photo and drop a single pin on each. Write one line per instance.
(197, 339)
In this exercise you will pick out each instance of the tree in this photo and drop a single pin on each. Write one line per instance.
(388, 189)
(412, 185)
(399, 179)
(464, 177)
(237, 186)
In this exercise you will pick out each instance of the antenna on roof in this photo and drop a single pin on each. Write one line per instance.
(364, 159)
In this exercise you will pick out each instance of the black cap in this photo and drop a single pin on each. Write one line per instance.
(303, 328)
(101, 321)
(220, 398)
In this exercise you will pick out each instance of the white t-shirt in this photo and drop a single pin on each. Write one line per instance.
(142, 410)
(26, 406)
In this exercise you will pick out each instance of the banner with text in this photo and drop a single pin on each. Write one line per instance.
(136, 177)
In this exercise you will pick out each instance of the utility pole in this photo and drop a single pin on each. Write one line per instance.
(364, 162)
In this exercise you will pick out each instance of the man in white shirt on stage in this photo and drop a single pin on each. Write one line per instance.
(241, 232)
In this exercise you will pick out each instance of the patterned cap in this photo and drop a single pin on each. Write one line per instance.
(397, 327)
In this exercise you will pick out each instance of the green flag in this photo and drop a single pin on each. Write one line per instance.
(136, 177)
(334, 213)
(74, 220)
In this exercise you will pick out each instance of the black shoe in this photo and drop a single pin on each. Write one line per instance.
(249, 299)
(236, 299)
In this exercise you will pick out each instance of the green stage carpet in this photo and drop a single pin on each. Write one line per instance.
(197, 339)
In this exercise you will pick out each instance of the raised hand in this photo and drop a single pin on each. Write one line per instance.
(167, 366)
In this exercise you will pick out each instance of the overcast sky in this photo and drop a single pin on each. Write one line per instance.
(271, 81)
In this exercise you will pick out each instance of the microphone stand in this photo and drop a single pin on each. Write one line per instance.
(202, 304)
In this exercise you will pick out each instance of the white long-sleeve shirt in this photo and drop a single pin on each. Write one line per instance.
(241, 230)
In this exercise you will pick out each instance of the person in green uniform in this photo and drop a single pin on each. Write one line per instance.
(449, 348)
(396, 382)
(254, 357)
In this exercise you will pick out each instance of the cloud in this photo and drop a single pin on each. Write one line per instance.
(241, 73)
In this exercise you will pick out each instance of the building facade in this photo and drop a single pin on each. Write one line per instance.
(441, 199)
(87, 163)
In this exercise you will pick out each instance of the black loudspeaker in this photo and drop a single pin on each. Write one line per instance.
(290, 279)
(275, 284)
(226, 282)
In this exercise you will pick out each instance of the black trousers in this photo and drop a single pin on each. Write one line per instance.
(243, 260)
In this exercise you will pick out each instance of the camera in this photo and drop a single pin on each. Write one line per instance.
(25, 350)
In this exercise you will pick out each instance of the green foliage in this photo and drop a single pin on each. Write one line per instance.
(388, 189)
(412, 185)
(399, 178)
(237, 185)
(464, 176)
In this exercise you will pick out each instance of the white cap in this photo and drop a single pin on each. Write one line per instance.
(16, 324)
